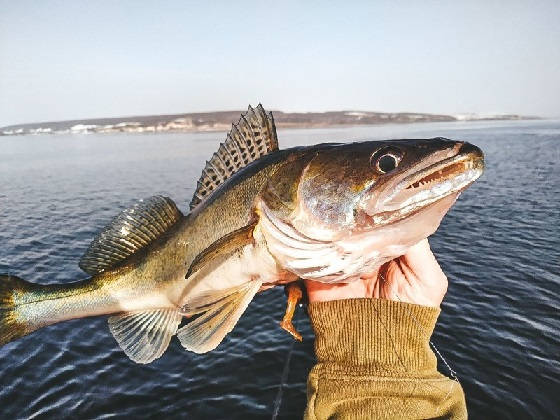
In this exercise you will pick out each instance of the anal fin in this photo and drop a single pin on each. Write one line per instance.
(207, 331)
(144, 336)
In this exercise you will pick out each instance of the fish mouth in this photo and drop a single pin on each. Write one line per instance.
(429, 184)
(445, 172)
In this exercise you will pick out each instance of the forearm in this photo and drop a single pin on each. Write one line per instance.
(374, 361)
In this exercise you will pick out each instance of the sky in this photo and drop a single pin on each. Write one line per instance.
(85, 59)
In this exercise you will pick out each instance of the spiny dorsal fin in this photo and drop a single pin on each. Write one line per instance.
(253, 136)
(129, 232)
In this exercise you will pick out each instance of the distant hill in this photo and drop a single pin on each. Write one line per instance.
(221, 121)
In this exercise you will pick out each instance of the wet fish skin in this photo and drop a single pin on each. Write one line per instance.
(324, 212)
(325, 192)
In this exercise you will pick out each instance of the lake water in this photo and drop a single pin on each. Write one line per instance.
(499, 245)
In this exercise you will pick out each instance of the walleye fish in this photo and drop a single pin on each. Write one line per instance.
(260, 217)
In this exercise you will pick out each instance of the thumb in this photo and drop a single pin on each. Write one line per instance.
(421, 260)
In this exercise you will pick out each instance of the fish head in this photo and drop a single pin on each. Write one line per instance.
(369, 185)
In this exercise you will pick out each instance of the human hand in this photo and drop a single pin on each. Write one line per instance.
(414, 277)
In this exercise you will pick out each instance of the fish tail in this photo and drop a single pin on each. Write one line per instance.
(26, 307)
(12, 290)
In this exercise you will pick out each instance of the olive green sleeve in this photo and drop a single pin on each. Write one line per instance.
(374, 361)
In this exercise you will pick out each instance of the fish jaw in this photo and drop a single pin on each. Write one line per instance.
(425, 184)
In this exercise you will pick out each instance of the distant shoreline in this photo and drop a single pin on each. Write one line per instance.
(222, 120)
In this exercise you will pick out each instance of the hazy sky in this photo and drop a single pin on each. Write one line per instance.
(77, 59)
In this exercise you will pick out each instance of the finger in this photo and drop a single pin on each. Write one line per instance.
(422, 262)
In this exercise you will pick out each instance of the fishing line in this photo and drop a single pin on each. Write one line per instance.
(286, 369)
(285, 372)
(451, 371)
(411, 315)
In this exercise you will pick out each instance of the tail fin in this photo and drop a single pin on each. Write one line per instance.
(12, 289)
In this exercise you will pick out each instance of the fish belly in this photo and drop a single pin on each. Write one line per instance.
(253, 262)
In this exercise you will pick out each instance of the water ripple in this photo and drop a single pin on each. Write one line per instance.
(499, 327)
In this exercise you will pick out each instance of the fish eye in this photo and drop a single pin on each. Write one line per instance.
(386, 160)
(386, 163)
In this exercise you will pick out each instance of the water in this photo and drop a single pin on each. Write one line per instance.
(499, 245)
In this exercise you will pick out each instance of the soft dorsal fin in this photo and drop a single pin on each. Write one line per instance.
(253, 136)
(129, 232)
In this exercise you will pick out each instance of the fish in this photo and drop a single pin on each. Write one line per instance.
(260, 217)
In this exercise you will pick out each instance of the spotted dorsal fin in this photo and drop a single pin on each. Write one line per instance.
(128, 233)
(253, 136)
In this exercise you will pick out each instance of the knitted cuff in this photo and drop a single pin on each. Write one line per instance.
(379, 335)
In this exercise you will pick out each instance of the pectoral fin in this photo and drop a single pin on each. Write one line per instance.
(221, 313)
(223, 247)
(144, 336)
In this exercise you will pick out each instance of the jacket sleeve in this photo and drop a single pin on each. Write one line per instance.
(374, 361)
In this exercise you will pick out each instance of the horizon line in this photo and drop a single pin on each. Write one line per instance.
(122, 117)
